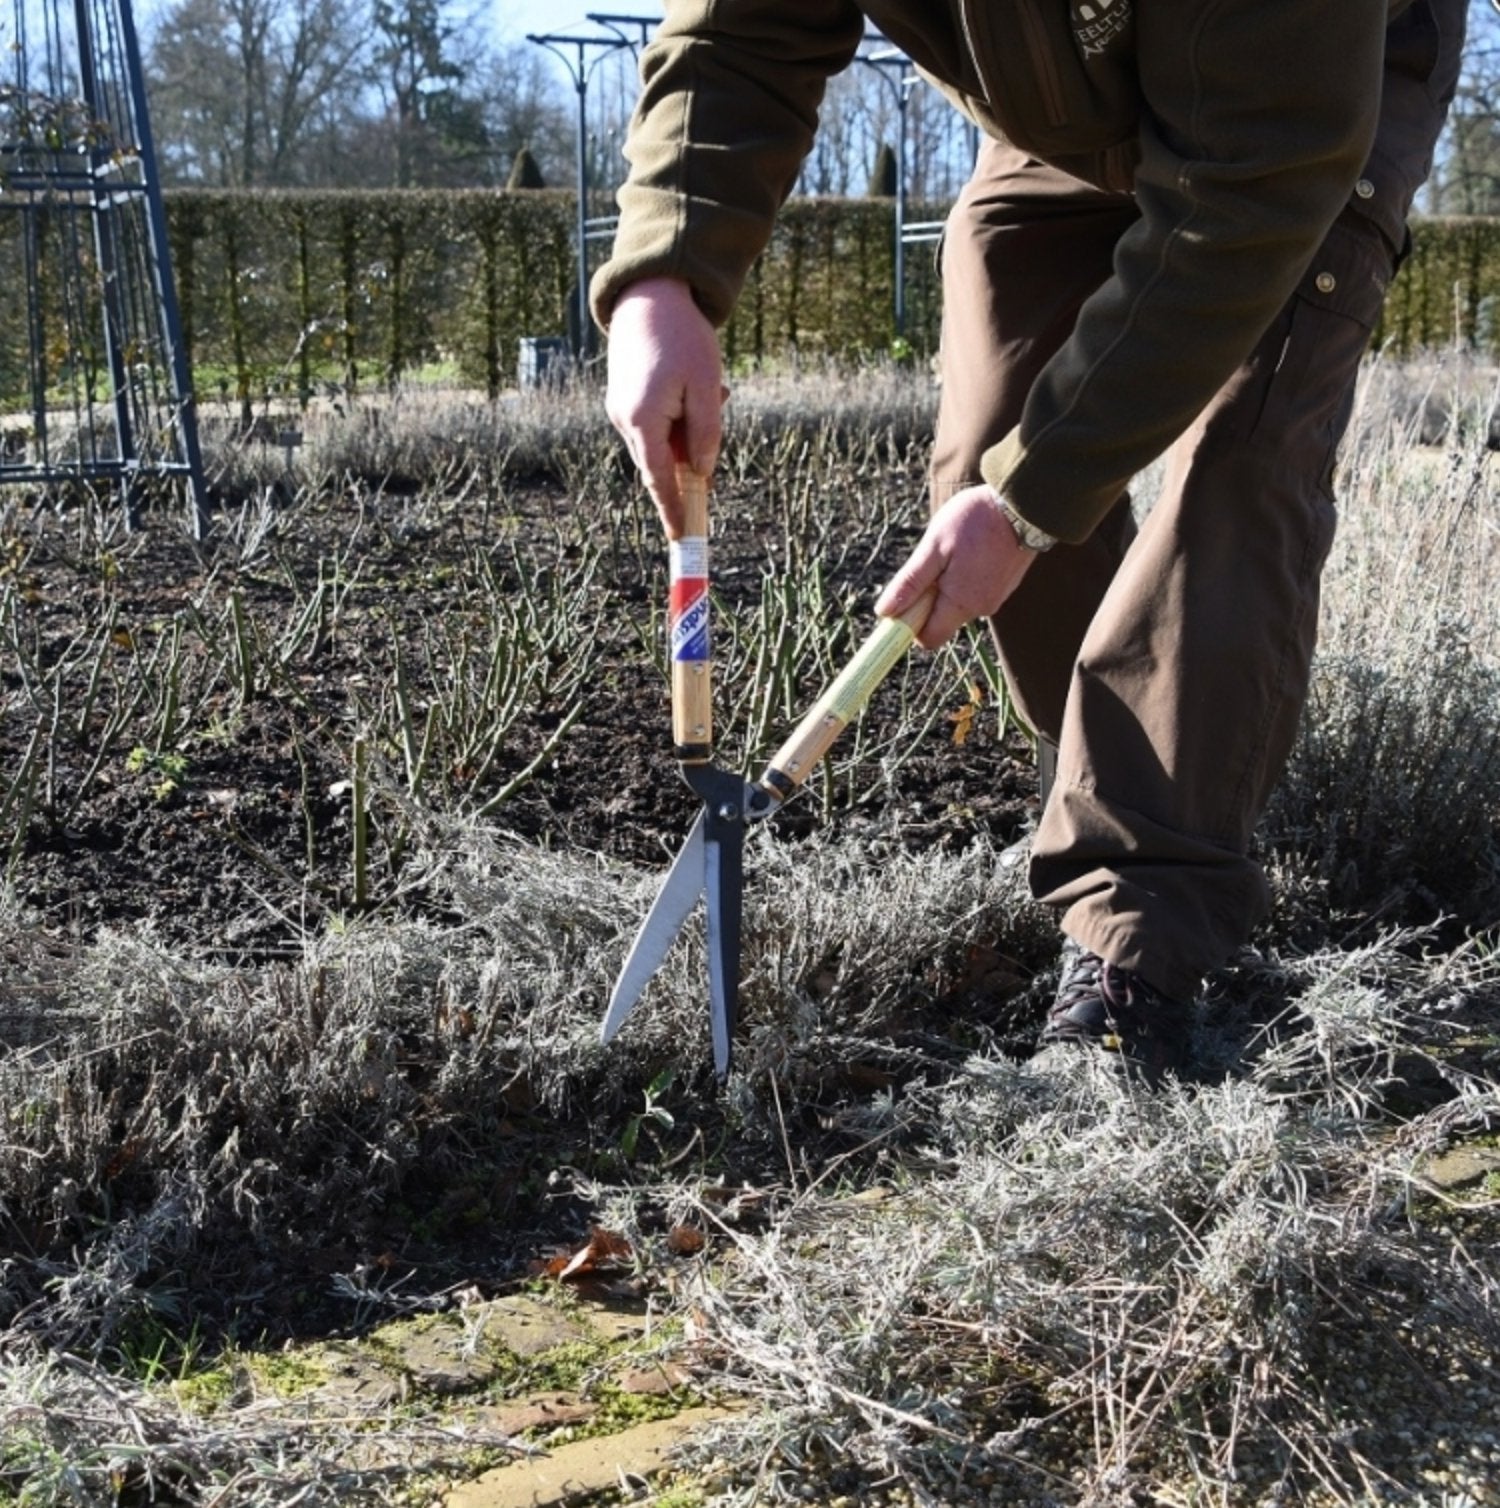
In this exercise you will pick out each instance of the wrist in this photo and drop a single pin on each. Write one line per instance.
(657, 294)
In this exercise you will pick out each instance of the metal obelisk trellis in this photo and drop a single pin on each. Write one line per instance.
(94, 379)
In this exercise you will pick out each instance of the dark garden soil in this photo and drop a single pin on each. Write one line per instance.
(231, 834)
(161, 777)
(178, 727)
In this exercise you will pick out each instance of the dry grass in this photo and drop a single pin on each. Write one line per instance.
(1391, 797)
(75, 1432)
(1079, 1293)
(986, 1280)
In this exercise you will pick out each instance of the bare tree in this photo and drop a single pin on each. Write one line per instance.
(423, 53)
(253, 93)
(197, 85)
(862, 113)
(940, 147)
(238, 85)
(524, 107)
(849, 134)
(1467, 178)
(316, 79)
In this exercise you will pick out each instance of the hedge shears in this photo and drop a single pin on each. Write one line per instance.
(710, 863)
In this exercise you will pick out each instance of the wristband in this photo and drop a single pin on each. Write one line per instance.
(1030, 537)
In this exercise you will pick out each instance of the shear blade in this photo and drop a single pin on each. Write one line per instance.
(722, 886)
(673, 905)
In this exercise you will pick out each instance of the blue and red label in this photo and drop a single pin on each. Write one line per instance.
(687, 609)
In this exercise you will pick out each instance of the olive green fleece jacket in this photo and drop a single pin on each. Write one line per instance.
(1240, 125)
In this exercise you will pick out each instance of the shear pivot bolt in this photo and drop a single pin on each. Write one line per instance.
(728, 812)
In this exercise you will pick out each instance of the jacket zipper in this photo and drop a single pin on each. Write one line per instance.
(1044, 65)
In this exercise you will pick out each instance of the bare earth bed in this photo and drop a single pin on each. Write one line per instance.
(323, 838)
(247, 844)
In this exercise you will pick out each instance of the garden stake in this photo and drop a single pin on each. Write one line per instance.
(710, 863)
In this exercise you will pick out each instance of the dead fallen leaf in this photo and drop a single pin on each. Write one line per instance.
(604, 1249)
(685, 1241)
(963, 719)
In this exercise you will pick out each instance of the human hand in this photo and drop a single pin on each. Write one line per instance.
(971, 554)
(666, 387)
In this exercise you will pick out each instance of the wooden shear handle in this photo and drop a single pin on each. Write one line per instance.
(841, 703)
(688, 626)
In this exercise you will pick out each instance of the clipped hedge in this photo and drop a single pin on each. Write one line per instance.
(288, 290)
(1448, 292)
(826, 284)
(293, 291)
(284, 291)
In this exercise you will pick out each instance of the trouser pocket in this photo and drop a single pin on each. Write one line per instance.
(1310, 357)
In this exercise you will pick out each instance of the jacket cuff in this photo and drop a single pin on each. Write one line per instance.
(1055, 505)
(653, 241)
(617, 274)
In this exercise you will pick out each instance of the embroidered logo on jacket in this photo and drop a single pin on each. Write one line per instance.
(1098, 24)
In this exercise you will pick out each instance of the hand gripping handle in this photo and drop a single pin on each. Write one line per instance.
(688, 627)
(840, 704)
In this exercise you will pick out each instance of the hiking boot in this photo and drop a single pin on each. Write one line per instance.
(1099, 1004)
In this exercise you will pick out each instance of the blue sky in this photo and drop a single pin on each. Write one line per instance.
(514, 18)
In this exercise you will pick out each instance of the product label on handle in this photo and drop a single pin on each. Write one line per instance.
(876, 659)
(688, 605)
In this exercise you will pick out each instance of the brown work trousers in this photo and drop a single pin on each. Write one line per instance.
(1170, 663)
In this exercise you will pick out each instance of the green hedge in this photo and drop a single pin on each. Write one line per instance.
(295, 291)
(826, 284)
(1448, 293)
(284, 291)
(287, 291)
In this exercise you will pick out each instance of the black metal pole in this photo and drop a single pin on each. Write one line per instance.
(101, 202)
(579, 72)
(614, 23)
(161, 268)
(36, 324)
(900, 310)
(901, 84)
(583, 211)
